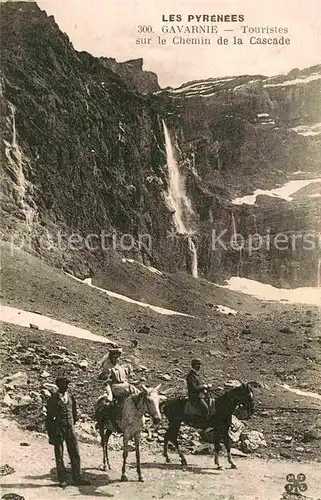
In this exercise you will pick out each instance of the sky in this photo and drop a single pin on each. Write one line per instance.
(110, 28)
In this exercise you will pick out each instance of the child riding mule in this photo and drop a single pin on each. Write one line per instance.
(220, 420)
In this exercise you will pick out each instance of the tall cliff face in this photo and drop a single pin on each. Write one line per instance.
(83, 154)
(88, 152)
(240, 134)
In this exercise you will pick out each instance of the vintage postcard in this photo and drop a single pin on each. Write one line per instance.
(160, 249)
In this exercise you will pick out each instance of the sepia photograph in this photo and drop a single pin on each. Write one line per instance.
(160, 225)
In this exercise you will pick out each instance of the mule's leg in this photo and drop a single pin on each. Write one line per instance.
(102, 443)
(125, 455)
(107, 436)
(172, 435)
(217, 450)
(227, 445)
(174, 440)
(165, 449)
(137, 450)
(181, 456)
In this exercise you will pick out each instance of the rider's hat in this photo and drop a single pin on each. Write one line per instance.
(196, 361)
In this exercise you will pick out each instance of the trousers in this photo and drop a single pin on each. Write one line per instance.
(199, 403)
(203, 406)
(66, 434)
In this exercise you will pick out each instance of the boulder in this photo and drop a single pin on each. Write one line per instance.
(251, 441)
(8, 401)
(5, 470)
(230, 384)
(18, 379)
(314, 433)
(62, 348)
(144, 329)
(83, 364)
(25, 401)
(166, 377)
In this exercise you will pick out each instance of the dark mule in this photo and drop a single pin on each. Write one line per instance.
(225, 405)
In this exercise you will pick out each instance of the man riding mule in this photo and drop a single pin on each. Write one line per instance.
(196, 392)
(176, 411)
(116, 377)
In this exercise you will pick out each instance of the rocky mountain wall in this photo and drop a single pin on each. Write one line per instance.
(83, 157)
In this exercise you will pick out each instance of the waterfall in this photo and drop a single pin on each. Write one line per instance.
(234, 231)
(319, 274)
(234, 228)
(14, 133)
(177, 199)
(14, 155)
(18, 155)
(193, 250)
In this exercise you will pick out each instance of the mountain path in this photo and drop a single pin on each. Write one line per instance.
(255, 479)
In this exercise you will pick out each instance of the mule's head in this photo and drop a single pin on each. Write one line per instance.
(245, 398)
(153, 400)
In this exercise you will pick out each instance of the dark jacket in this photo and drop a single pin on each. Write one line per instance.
(60, 414)
(194, 386)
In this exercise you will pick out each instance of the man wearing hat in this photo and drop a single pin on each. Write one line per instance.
(195, 388)
(116, 374)
(116, 377)
(60, 420)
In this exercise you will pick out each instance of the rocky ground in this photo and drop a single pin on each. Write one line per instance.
(265, 343)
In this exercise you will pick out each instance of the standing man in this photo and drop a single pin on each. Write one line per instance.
(195, 388)
(60, 420)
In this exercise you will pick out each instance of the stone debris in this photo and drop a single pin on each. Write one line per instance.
(314, 433)
(5, 470)
(144, 329)
(25, 401)
(23, 396)
(230, 384)
(18, 379)
(251, 441)
(33, 326)
(8, 401)
(83, 364)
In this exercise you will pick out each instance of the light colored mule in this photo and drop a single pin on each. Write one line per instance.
(131, 424)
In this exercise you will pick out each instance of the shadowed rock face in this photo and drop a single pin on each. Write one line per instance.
(83, 152)
(92, 153)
